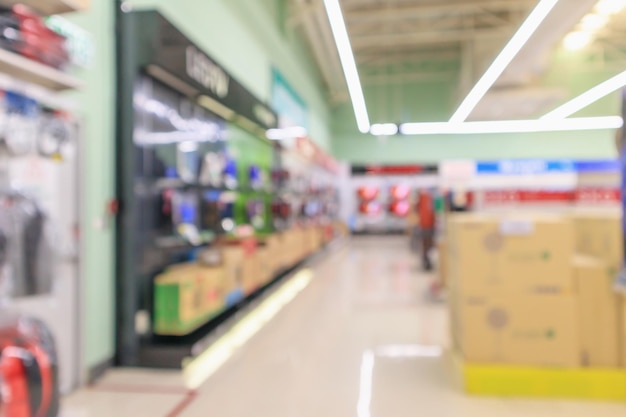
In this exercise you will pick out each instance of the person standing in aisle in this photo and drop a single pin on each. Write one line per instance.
(427, 222)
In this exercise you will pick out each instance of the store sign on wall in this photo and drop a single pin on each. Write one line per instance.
(182, 62)
(206, 72)
(525, 167)
(291, 108)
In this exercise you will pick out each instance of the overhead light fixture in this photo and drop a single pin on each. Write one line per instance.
(512, 126)
(502, 61)
(286, 133)
(610, 7)
(385, 129)
(577, 40)
(587, 98)
(593, 22)
(346, 55)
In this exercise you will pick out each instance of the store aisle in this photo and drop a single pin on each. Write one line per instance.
(360, 340)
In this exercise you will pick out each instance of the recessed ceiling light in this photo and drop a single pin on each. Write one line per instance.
(593, 22)
(577, 40)
(609, 7)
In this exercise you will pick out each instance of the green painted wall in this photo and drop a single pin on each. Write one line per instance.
(96, 101)
(435, 101)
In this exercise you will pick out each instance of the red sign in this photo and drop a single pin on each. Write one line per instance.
(588, 195)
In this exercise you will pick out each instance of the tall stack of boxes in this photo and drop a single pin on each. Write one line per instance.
(521, 294)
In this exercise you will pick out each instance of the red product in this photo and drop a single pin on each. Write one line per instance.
(400, 192)
(28, 370)
(39, 42)
(400, 208)
(368, 193)
(371, 208)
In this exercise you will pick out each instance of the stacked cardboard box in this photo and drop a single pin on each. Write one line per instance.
(599, 234)
(599, 316)
(511, 290)
(185, 296)
(520, 295)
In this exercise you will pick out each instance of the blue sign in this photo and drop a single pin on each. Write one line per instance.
(546, 166)
(525, 167)
(599, 165)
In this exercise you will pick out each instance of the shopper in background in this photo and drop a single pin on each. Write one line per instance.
(427, 223)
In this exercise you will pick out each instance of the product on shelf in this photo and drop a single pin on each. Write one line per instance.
(31, 37)
(400, 192)
(212, 170)
(256, 213)
(28, 253)
(28, 369)
(230, 174)
(255, 177)
(400, 208)
(368, 193)
(371, 208)
(187, 162)
(56, 135)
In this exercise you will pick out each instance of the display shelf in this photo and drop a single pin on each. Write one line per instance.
(175, 241)
(50, 7)
(34, 72)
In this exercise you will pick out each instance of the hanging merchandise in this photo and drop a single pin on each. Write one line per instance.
(56, 136)
(28, 369)
(255, 177)
(19, 132)
(28, 252)
(227, 212)
(210, 211)
(256, 213)
(213, 166)
(185, 216)
(187, 162)
(230, 176)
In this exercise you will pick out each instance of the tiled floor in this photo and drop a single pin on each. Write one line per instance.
(361, 340)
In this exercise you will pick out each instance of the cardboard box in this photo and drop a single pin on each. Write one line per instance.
(599, 313)
(442, 268)
(622, 329)
(251, 274)
(510, 254)
(185, 296)
(533, 330)
(599, 234)
(233, 257)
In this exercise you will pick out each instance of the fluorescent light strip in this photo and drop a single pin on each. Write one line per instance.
(286, 133)
(587, 98)
(200, 369)
(512, 126)
(338, 26)
(385, 129)
(503, 60)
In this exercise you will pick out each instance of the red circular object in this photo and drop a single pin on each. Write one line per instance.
(368, 193)
(371, 208)
(400, 192)
(400, 208)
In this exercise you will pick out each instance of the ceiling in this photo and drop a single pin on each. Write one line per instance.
(402, 41)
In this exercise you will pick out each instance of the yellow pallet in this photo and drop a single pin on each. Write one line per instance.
(513, 381)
